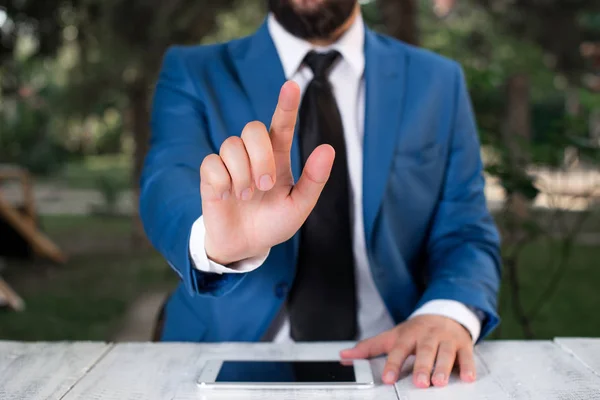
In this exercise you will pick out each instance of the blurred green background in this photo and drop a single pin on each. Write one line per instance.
(76, 81)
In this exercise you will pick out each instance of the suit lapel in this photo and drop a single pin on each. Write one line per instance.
(261, 74)
(385, 86)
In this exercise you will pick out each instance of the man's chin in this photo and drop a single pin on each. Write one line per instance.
(312, 19)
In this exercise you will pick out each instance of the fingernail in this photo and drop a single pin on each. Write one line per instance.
(225, 195)
(390, 377)
(469, 376)
(440, 377)
(422, 379)
(246, 194)
(265, 182)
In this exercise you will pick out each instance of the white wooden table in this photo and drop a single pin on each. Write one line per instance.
(559, 369)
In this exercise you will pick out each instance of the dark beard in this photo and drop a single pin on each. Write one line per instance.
(320, 23)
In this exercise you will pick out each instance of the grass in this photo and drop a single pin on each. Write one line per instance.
(63, 228)
(87, 298)
(572, 310)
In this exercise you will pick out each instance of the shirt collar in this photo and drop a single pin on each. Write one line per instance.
(292, 50)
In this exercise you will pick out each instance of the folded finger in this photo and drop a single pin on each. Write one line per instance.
(260, 152)
(234, 155)
(215, 182)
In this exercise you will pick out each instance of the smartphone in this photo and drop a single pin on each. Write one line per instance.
(286, 374)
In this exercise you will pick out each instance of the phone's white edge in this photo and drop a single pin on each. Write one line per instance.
(280, 386)
(362, 372)
(209, 373)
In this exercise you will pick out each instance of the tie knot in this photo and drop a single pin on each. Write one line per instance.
(321, 63)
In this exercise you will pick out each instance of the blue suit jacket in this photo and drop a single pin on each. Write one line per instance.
(428, 232)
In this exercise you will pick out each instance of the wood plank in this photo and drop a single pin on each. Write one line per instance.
(486, 387)
(170, 370)
(585, 350)
(44, 371)
(514, 370)
(538, 370)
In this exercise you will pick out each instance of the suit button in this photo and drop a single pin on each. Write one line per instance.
(281, 290)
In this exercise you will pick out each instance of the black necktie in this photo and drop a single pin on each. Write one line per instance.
(322, 300)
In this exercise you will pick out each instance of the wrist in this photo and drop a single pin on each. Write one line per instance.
(220, 255)
(215, 255)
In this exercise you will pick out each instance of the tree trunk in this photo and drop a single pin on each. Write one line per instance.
(517, 134)
(139, 106)
(518, 115)
(401, 19)
(595, 127)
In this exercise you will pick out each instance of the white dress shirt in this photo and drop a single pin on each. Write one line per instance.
(348, 84)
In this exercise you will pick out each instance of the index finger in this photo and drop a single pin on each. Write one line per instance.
(284, 117)
(372, 347)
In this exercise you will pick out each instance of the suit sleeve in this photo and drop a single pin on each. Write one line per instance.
(170, 200)
(463, 249)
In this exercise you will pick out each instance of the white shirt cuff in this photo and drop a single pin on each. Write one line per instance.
(204, 264)
(453, 310)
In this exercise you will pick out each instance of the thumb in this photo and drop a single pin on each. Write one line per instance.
(314, 177)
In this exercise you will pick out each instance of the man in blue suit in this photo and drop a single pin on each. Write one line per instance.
(358, 214)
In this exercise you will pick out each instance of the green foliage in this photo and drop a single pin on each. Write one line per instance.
(25, 139)
(241, 20)
(372, 16)
(107, 51)
(477, 38)
(489, 57)
(110, 141)
(557, 27)
(86, 172)
(110, 187)
(513, 181)
(122, 42)
(37, 18)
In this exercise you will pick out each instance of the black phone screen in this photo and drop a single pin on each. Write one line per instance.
(285, 372)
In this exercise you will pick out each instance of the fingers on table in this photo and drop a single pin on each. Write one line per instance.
(425, 358)
(466, 364)
(446, 356)
(395, 361)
